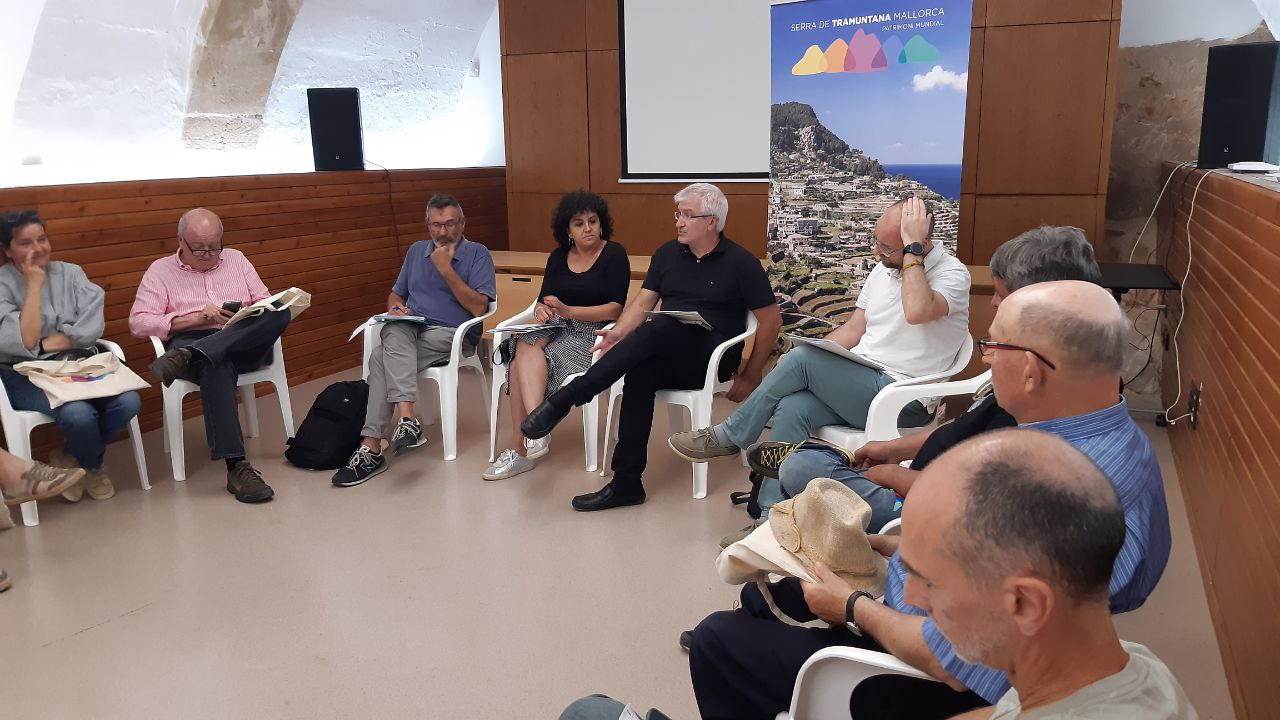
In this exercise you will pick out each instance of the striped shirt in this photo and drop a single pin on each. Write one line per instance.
(171, 288)
(1121, 450)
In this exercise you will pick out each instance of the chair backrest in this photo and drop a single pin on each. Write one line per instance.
(373, 338)
(713, 364)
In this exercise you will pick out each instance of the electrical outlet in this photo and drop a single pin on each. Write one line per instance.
(1193, 402)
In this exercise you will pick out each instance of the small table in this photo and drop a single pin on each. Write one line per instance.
(1120, 278)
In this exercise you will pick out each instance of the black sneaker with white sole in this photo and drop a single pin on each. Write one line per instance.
(364, 464)
(408, 435)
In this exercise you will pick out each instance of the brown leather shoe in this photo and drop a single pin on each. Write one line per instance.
(172, 365)
(246, 483)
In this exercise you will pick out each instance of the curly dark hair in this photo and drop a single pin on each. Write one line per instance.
(15, 221)
(571, 204)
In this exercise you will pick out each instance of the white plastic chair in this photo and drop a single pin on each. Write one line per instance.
(18, 425)
(445, 376)
(827, 680)
(590, 411)
(699, 403)
(173, 394)
(882, 416)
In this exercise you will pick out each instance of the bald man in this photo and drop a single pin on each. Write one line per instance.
(185, 299)
(1024, 598)
(1055, 353)
(912, 317)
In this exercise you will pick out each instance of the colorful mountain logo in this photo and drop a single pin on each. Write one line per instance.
(864, 53)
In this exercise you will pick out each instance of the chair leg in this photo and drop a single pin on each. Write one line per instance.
(286, 405)
(250, 409)
(173, 436)
(495, 403)
(139, 455)
(449, 414)
(30, 517)
(591, 432)
(610, 433)
(700, 417)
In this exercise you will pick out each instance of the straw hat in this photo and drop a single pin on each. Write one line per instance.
(826, 523)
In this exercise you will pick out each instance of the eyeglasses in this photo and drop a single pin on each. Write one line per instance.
(988, 346)
(438, 226)
(678, 214)
(202, 253)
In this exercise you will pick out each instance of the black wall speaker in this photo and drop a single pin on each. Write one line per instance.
(1241, 120)
(337, 142)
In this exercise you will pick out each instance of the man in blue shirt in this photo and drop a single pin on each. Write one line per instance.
(447, 280)
(1055, 353)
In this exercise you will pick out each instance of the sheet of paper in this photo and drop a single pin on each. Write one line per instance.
(835, 349)
(688, 317)
(383, 319)
(520, 329)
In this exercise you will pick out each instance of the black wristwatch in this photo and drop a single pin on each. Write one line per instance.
(848, 611)
(916, 249)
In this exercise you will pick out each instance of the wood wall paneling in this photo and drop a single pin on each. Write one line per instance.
(602, 25)
(1038, 12)
(1228, 464)
(965, 239)
(979, 13)
(1043, 98)
(542, 26)
(1000, 218)
(530, 221)
(1109, 103)
(332, 234)
(972, 112)
(546, 100)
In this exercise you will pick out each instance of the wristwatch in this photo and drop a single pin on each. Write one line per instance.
(916, 249)
(848, 611)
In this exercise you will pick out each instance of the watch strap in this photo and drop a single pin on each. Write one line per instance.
(848, 611)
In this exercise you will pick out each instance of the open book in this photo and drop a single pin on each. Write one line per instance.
(384, 318)
(836, 349)
(293, 300)
(688, 317)
(521, 329)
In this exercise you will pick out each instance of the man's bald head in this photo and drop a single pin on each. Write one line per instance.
(1078, 322)
(200, 225)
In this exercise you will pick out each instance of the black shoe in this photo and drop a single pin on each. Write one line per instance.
(605, 498)
(364, 464)
(767, 457)
(686, 640)
(246, 483)
(546, 416)
(173, 365)
(407, 436)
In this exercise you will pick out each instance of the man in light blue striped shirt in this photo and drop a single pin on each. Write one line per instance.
(1055, 353)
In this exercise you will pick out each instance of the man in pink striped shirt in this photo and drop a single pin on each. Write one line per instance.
(185, 299)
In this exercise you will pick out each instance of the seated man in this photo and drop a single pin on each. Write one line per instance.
(448, 280)
(1055, 356)
(701, 270)
(912, 317)
(185, 299)
(1019, 597)
(1040, 255)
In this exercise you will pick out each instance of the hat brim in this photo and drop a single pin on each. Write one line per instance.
(759, 554)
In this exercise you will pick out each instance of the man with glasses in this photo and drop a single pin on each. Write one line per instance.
(703, 271)
(185, 299)
(1055, 352)
(446, 281)
(912, 318)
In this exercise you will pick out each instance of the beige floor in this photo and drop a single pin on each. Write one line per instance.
(425, 593)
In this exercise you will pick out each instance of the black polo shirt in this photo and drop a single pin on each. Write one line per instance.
(984, 416)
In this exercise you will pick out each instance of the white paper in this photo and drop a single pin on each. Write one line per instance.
(521, 329)
(383, 319)
(688, 317)
(836, 349)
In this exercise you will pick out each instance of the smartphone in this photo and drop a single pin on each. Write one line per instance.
(232, 306)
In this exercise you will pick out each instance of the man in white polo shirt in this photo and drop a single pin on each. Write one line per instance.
(912, 317)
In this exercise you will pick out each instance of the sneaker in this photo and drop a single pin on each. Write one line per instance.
(246, 483)
(537, 448)
(5, 582)
(408, 435)
(766, 457)
(699, 445)
(364, 464)
(737, 535)
(686, 640)
(98, 485)
(41, 482)
(59, 458)
(509, 464)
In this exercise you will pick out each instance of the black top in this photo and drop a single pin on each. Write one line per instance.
(606, 281)
(721, 285)
(984, 416)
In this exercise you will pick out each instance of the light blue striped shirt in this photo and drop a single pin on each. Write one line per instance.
(1119, 447)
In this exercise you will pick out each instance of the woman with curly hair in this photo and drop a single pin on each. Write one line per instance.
(584, 288)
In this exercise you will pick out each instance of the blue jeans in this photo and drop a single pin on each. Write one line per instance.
(810, 388)
(86, 425)
(803, 466)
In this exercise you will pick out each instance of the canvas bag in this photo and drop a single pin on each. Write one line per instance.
(294, 300)
(97, 376)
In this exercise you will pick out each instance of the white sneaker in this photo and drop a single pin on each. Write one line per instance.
(509, 464)
(537, 448)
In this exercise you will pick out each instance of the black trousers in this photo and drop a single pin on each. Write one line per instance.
(744, 664)
(662, 354)
(218, 358)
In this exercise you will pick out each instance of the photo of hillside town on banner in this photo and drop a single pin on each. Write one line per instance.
(868, 108)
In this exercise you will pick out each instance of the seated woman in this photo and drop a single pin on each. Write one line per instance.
(583, 289)
(49, 310)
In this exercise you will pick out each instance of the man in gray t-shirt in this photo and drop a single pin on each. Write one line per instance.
(1009, 540)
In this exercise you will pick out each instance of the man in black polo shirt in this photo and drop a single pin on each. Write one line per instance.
(701, 270)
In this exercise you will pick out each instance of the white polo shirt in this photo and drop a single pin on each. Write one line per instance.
(914, 350)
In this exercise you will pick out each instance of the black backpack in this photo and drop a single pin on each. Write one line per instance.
(331, 431)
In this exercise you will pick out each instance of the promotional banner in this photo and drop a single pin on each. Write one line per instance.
(868, 108)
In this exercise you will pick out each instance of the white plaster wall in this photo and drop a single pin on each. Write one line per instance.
(21, 18)
(1154, 22)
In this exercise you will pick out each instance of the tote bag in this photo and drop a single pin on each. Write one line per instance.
(64, 381)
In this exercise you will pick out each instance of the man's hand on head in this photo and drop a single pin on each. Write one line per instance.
(915, 222)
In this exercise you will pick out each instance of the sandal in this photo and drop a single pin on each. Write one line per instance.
(41, 482)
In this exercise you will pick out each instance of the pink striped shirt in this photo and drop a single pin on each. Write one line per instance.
(171, 288)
